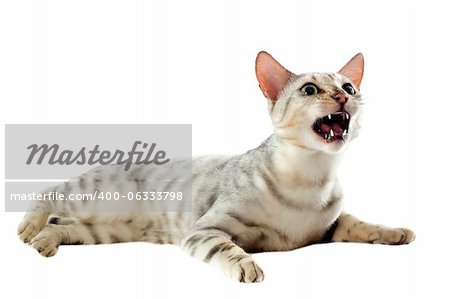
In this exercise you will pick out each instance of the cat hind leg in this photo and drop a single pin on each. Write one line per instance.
(62, 219)
(32, 223)
(47, 241)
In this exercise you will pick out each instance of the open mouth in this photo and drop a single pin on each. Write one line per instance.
(333, 127)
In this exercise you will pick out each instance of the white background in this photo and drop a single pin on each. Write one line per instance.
(193, 62)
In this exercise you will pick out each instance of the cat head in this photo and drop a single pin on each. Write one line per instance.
(318, 111)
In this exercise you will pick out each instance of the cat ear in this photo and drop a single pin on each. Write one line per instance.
(272, 76)
(354, 69)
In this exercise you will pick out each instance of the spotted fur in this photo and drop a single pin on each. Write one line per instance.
(279, 196)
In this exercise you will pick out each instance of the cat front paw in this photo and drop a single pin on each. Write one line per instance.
(392, 236)
(46, 243)
(247, 270)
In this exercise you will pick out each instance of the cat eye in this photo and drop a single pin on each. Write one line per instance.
(309, 89)
(348, 88)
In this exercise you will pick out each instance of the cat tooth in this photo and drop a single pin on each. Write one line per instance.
(344, 135)
(346, 115)
(329, 116)
(331, 133)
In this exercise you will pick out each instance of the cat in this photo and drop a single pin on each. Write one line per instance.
(279, 196)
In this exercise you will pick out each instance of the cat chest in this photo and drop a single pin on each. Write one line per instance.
(288, 224)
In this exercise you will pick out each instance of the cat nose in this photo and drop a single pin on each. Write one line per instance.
(340, 98)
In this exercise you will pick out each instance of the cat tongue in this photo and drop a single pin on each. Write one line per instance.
(336, 129)
(325, 127)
